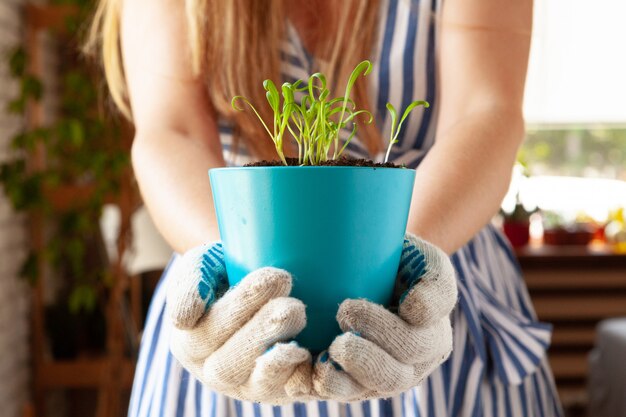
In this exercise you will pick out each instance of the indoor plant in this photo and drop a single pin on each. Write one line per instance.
(516, 225)
(338, 229)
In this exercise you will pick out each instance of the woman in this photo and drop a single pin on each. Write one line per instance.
(181, 64)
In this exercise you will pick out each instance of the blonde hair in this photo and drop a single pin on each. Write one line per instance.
(235, 45)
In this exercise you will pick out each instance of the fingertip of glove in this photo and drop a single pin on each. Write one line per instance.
(183, 311)
(358, 314)
(287, 314)
(348, 313)
(289, 352)
(343, 346)
(180, 323)
(272, 270)
(268, 276)
(290, 304)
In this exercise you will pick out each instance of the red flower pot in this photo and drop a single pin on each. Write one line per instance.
(517, 233)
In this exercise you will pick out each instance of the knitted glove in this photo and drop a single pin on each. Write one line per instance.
(382, 354)
(234, 341)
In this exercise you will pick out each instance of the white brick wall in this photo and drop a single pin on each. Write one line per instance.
(14, 342)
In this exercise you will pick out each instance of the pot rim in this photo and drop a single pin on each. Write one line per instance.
(308, 168)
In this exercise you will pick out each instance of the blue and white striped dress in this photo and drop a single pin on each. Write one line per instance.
(498, 366)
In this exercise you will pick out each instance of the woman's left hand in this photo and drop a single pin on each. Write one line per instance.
(382, 353)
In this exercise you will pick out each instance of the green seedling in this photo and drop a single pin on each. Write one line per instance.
(395, 129)
(315, 120)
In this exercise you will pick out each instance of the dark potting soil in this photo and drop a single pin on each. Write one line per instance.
(342, 161)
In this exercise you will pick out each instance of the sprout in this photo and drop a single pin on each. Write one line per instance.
(317, 120)
(395, 130)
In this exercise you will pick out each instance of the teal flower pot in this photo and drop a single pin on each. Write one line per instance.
(338, 230)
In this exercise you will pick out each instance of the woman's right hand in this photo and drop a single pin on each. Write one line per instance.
(235, 340)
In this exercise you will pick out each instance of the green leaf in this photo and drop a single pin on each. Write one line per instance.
(341, 100)
(77, 132)
(32, 87)
(18, 62)
(82, 298)
(17, 106)
(392, 135)
(288, 94)
(352, 115)
(312, 84)
(394, 119)
(365, 67)
(395, 130)
(352, 134)
(30, 268)
(408, 110)
(272, 95)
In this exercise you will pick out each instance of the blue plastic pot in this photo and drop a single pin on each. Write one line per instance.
(338, 230)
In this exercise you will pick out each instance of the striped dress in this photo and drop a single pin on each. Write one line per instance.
(498, 366)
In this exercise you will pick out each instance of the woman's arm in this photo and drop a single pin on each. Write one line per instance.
(176, 139)
(484, 55)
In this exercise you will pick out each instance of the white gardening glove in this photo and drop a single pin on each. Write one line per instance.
(382, 354)
(235, 341)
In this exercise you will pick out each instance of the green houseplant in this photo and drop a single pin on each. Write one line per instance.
(62, 171)
(337, 228)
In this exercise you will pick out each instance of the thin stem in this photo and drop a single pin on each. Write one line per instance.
(245, 100)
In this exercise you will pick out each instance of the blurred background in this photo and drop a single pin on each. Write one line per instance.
(80, 257)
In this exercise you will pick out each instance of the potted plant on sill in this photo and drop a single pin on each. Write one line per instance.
(336, 224)
(516, 224)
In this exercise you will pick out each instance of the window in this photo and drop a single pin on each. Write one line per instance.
(575, 109)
